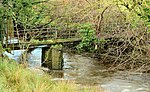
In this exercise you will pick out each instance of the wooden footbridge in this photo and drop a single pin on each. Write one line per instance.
(36, 37)
(50, 40)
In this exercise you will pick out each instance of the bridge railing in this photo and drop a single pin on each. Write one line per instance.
(46, 33)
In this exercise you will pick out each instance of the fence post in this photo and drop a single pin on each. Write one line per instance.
(5, 32)
(56, 34)
(69, 34)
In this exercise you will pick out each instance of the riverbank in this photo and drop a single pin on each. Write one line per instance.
(112, 62)
(16, 78)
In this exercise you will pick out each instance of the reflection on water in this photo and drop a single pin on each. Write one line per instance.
(87, 71)
(57, 73)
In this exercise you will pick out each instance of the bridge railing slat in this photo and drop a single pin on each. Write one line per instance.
(46, 33)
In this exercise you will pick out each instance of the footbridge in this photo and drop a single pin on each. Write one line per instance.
(50, 40)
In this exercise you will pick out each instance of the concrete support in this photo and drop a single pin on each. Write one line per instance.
(46, 57)
(53, 57)
(57, 57)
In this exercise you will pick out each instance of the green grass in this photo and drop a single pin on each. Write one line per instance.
(16, 78)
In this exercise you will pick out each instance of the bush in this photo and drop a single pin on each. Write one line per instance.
(88, 37)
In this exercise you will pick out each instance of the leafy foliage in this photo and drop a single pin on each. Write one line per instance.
(146, 13)
(137, 8)
(23, 12)
(88, 37)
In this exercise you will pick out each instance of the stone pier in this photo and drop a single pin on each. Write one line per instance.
(53, 57)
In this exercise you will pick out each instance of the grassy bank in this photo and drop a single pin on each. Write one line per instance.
(15, 78)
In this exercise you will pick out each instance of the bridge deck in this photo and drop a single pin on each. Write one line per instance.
(51, 41)
(36, 43)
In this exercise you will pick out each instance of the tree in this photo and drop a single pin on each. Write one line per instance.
(139, 7)
(26, 14)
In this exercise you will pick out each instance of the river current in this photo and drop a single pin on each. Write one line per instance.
(87, 71)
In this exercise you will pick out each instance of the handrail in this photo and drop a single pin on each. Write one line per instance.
(46, 33)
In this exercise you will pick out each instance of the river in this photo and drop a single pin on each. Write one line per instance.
(87, 71)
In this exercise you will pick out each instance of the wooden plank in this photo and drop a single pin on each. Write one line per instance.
(46, 33)
(46, 42)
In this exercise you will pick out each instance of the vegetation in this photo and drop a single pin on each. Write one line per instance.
(16, 78)
(121, 37)
(88, 38)
(138, 7)
(114, 31)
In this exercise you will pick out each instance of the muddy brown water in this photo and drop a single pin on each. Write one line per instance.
(86, 71)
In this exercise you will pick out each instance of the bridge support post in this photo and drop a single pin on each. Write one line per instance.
(53, 57)
(46, 62)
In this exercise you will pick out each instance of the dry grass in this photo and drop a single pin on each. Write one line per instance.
(15, 78)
